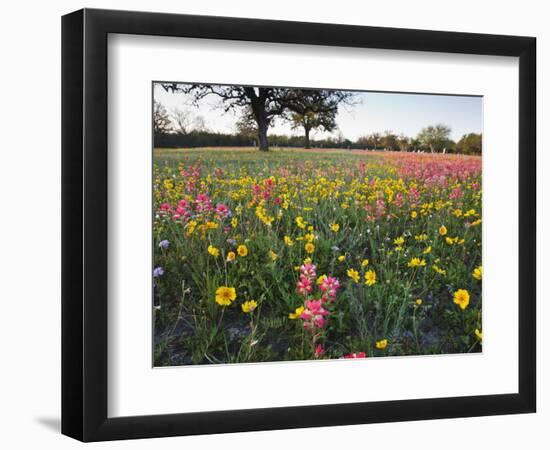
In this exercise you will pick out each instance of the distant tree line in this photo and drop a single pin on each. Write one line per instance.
(433, 139)
(211, 139)
(469, 144)
(304, 109)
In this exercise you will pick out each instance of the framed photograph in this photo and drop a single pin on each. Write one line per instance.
(273, 224)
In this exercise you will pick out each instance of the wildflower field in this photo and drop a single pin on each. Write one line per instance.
(314, 254)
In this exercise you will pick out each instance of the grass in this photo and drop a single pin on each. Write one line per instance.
(347, 213)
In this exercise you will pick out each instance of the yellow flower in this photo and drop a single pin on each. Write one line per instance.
(370, 277)
(452, 241)
(462, 298)
(342, 258)
(442, 230)
(381, 345)
(249, 306)
(234, 222)
(225, 295)
(414, 214)
(231, 256)
(334, 227)
(416, 262)
(421, 237)
(365, 263)
(310, 237)
(307, 261)
(273, 255)
(478, 273)
(475, 223)
(296, 314)
(321, 279)
(353, 274)
(301, 222)
(418, 302)
(438, 270)
(211, 225)
(213, 250)
(190, 227)
(399, 241)
(427, 250)
(309, 247)
(457, 212)
(479, 334)
(242, 250)
(288, 241)
(263, 216)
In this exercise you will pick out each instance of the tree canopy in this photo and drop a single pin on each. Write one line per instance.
(435, 137)
(161, 119)
(469, 144)
(267, 103)
(313, 120)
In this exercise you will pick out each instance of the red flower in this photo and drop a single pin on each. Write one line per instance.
(355, 355)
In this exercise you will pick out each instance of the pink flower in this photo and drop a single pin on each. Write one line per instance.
(314, 314)
(203, 203)
(308, 271)
(184, 204)
(304, 286)
(380, 207)
(414, 195)
(355, 355)
(329, 287)
(319, 321)
(182, 210)
(399, 199)
(319, 351)
(222, 211)
(192, 172)
(190, 186)
(456, 193)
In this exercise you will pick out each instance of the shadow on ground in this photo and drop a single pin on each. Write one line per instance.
(52, 423)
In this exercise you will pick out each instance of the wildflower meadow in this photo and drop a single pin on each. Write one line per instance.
(298, 254)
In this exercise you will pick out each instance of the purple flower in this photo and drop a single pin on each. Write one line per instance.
(164, 244)
(158, 272)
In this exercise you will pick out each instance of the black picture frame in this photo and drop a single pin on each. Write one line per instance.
(84, 224)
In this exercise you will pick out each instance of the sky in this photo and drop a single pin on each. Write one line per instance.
(373, 112)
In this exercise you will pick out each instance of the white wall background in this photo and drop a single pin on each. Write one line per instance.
(30, 224)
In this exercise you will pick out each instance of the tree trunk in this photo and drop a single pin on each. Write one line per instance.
(307, 138)
(257, 103)
(262, 135)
